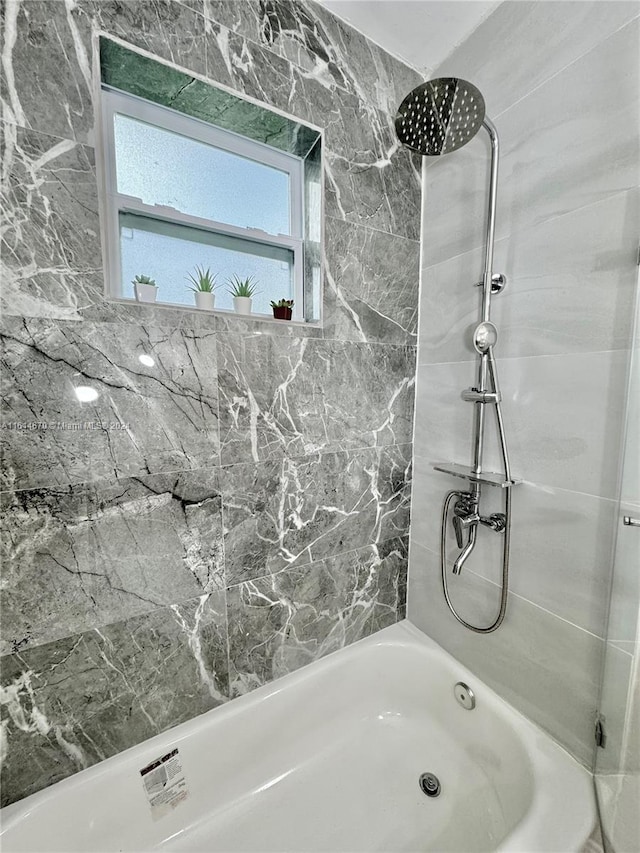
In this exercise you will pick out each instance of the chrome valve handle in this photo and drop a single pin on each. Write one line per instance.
(457, 526)
(497, 521)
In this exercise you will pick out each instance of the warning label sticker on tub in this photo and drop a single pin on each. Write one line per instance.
(165, 784)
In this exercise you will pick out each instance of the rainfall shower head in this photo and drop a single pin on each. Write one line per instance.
(440, 116)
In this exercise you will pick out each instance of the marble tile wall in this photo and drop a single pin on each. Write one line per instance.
(568, 220)
(234, 500)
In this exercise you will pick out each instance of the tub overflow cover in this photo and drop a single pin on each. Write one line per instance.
(465, 695)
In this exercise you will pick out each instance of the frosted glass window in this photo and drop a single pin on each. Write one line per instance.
(183, 192)
(167, 252)
(161, 167)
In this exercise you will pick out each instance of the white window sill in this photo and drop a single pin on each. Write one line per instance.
(219, 312)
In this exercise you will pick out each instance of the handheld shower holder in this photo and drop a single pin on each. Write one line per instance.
(472, 395)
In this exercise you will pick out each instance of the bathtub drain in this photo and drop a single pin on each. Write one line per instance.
(429, 784)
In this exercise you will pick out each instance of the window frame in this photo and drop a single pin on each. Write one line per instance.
(116, 101)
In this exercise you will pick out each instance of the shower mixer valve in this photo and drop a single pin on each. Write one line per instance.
(466, 516)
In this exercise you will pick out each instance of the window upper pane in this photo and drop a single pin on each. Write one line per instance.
(165, 168)
(168, 252)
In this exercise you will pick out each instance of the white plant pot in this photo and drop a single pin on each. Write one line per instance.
(204, 300)
(242, 304)
(146, 292)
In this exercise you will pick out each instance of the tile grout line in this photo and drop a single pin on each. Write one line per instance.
(503, 358)
(533, 226)
(311, 563)
(219, 467)
(193, 598)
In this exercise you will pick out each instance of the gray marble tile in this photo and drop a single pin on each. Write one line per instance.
(371, 284)
(51, 256)
(164, 28)
(571, 287)
(301, 510)
(243, 18)
(520, 45)
(557, 435)
(370, 71)
(80, 557)
(560, 550)
(557, 152)
(48, 67)
(69, 704)
(311, 37)
(301, 614)
(155, 405)
(544, 666)
(191, 320)
(378, 189)
(46, 73)
(370, 178)
(291, 397)
(237, 325)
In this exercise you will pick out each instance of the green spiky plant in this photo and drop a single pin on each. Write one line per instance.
(242, 287)
(282, 303)
(144, 279)
(202, 280)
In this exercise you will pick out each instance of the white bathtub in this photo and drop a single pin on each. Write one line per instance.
(328, 759)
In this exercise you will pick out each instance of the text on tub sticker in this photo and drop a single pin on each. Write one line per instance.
(164, 784)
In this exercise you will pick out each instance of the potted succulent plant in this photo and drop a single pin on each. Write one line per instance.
(145, 288)
(203, 284)
(282, 310)
(242, 290)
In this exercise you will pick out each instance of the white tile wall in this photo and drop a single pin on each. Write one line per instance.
(543, 665)
(525, 43)
(561, 275)
(565, 145)
(561, 84)
(564, 416)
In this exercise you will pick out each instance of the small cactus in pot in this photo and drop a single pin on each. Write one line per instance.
(145, 288)
(282, 309)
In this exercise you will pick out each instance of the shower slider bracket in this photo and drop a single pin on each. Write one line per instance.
(498, 283)
(467, 473)
(472, 395)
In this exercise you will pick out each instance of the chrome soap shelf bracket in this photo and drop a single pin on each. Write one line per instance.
(465, 472)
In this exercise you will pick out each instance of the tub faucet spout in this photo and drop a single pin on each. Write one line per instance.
(466, 552)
